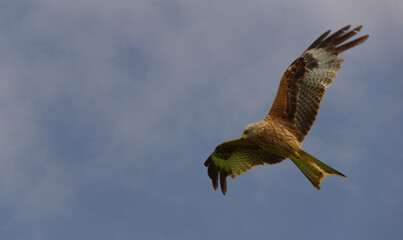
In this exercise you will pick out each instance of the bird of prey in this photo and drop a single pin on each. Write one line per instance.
(280, 134)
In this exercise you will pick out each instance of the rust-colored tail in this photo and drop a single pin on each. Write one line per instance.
(314, 169)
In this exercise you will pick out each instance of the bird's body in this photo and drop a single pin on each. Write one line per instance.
(274, 136)
(280, 135)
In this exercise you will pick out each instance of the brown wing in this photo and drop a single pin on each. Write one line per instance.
(304, 83)
(234, 157)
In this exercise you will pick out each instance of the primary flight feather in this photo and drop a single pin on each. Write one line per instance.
(280, 134)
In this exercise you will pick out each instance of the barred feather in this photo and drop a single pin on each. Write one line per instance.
(304, 83)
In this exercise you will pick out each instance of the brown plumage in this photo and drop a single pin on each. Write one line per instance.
(294, 110)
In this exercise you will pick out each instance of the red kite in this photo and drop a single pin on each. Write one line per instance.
(280, 134)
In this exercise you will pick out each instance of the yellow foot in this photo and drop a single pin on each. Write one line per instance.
(296, 154)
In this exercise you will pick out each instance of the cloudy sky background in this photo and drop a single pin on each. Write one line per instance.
(109, 109)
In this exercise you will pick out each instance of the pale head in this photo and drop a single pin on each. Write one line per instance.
(250, 131)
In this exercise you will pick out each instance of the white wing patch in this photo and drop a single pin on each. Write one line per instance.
(312, 87)
(329, 64)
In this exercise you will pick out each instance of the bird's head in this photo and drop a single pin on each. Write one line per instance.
(250, 131)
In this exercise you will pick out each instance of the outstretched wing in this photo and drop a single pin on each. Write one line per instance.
(304, 83)
(234, 157)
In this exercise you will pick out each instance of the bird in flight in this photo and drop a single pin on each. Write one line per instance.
(280, 134)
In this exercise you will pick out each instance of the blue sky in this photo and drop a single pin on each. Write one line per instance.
(110, 108)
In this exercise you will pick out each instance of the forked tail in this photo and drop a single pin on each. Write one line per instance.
(314, 169)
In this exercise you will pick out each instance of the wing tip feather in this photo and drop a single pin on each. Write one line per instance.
(223, 182)
(352, 43)
(332, 42)
(216, 175)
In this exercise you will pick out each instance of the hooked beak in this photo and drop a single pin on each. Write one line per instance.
(243, 137)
